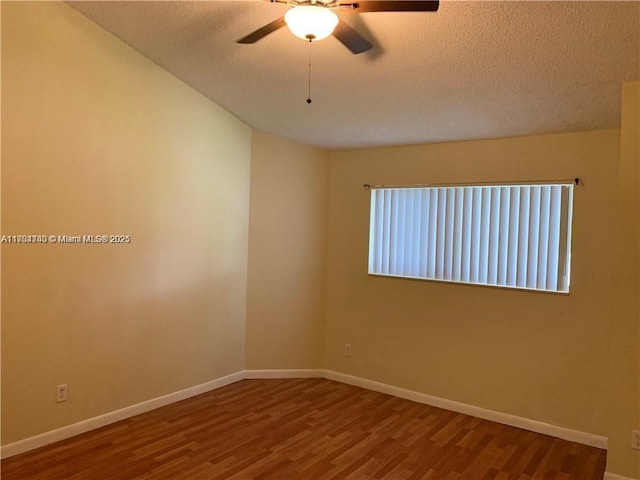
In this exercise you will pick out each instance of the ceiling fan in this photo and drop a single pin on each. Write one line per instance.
(313, 20)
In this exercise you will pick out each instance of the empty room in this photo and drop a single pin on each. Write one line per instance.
(305, 240)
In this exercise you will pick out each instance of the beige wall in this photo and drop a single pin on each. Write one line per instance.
(625, 322)
(540, 356)
(287, 254)
(99, 140)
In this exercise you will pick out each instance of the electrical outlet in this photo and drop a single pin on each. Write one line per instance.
(62, 392)
(347, 349)
(635, 439)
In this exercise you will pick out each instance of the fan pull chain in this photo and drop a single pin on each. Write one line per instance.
(309, 77)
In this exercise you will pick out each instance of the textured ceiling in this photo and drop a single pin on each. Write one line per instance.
(472, 70)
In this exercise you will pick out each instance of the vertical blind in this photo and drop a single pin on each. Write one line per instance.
(511, 236)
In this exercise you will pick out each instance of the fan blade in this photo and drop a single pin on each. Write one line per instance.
(264, 31)
(391, 6)
(351, 38)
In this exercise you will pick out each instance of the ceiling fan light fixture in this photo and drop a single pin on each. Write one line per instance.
(311, 22)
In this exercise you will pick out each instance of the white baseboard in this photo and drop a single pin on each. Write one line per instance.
(46, 438)
(499, 417)
(615, 476)
(296, 373)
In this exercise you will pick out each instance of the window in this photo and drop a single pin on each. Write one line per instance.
(516, 236)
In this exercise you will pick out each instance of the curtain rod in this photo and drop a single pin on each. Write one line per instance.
(574, 181)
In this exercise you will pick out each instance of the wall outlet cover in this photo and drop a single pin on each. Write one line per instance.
(62, 392)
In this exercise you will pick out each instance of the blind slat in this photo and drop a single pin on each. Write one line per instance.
(441, 226)
(467, 215)
(475, 234)
(503, 245)
(408, 237)
(523, 237)
(450, 195)
(432, 232)
(457, 240)
(415, 235)
(386, 231)
(554, 238)
(485, 224)
(543, 242)
(534, 235)
(494, 236)
(424, 240)
(514, 224)
(402, 231)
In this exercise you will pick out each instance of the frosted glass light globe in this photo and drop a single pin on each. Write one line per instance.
(311, 23)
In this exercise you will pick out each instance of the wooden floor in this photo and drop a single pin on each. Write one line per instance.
(306, 429)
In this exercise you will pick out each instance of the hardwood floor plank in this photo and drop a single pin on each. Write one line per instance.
(306, 429)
